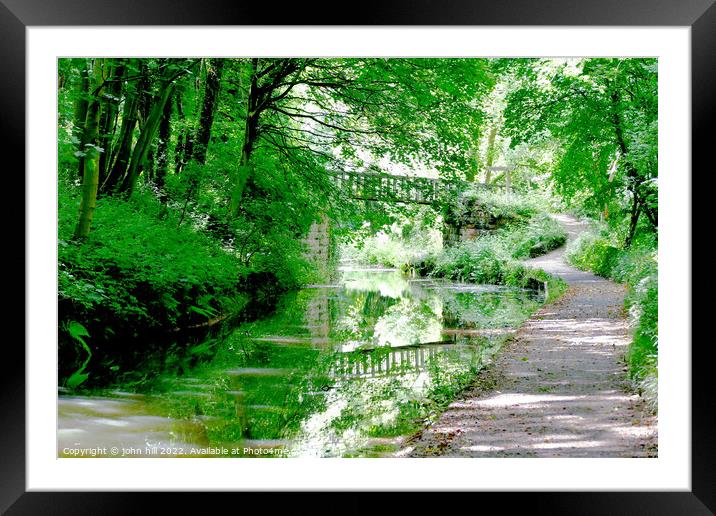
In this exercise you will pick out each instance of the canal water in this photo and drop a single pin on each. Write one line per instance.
(343, 370)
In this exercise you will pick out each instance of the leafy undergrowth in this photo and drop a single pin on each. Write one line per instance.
(540, 236)
(637, 267)
(137, 277)
(517, 223)
(494, 258)
(505, 206)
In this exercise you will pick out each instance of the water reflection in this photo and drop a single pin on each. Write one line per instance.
(343, 371)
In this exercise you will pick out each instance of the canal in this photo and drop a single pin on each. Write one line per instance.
(349, 369)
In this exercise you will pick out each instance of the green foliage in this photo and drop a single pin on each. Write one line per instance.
(198, 228)
(541, 235)
(517, 275)
(475, 261)
(138, 276)
(602, 114)
(491, 257)
(524, 231)
(402, 244)
(500, 205)
(170, 253)
(140, 266)
(595, 253)
(78, 332)
(644, 308)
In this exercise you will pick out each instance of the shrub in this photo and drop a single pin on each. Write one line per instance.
(517, 275)
(491, 258)
(541, 235)
(594, 252)
(475, 261)
(139, 266)
(505, 205)
(643, 304)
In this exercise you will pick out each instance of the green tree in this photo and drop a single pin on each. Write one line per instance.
(603, 114)
(263, 135)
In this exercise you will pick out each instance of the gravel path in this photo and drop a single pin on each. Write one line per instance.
(559, 389)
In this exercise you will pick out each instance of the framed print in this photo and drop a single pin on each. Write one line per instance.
(406, 253)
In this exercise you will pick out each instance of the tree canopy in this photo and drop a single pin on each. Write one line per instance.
(245, 147)
(602, 114)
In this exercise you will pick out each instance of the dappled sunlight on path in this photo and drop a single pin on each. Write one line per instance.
(560, 388)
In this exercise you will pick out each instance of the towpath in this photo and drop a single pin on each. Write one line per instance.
(559, 389)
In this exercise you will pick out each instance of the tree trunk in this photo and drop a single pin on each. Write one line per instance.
(146, 101)
(211, 93)
(149, 130)
(80, 115)
(183, 149)
(250, 136)
(147, 134)
(163, 151)
(123, 147)
(651, 214)
(474, 165)
(632, 174)
(90, 177)
(110, 103)
(490, 155)
(634, 219)
(148, 166)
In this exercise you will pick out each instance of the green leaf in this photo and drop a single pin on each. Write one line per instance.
(205, 312)
(77, 379)
(76, 330)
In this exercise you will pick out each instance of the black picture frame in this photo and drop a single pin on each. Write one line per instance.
(700, 15)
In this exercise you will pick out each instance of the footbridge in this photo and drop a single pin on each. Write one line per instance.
(379, 186)
(382, 187)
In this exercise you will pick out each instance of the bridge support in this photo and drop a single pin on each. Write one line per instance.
(468, 226)
(454, 234)
(317, 245)
(451, 234)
